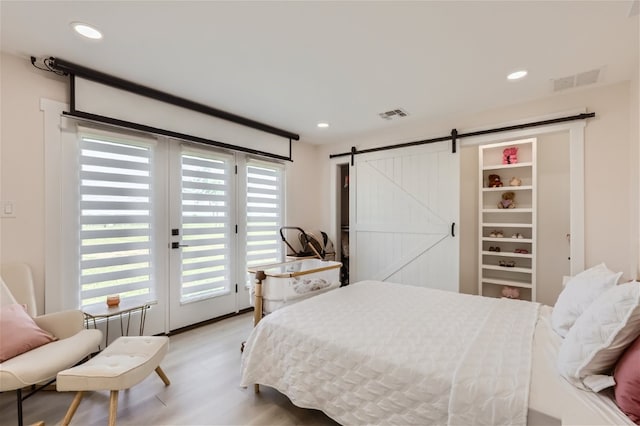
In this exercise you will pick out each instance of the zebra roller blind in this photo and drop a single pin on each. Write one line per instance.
(116, 206)
(265, 211)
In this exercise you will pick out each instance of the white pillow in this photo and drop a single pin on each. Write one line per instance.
(578, 294)
(601, 334)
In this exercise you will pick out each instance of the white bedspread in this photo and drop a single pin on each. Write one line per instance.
(380, 353)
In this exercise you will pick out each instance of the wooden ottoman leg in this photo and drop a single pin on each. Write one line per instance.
(163, 376)
(113, 408)
(72, 408)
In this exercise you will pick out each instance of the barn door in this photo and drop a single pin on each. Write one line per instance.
(404, 215)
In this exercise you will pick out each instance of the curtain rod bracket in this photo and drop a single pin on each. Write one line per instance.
(454, 135)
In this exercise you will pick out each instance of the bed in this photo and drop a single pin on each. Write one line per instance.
(381, 353)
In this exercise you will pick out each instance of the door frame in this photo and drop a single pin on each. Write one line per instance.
(336, 203)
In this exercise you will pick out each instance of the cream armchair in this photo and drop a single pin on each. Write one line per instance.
(40, 366)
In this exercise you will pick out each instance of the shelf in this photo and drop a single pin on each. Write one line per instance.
(506, 225)
(507, 254)
(511, 283)
(516, 210)
(508, 240)
(520, 220)
(508, 188)
(507, 166)
(508, 269)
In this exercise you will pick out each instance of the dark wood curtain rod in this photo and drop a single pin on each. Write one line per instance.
(455, 135)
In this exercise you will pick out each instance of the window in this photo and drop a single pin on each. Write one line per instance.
(265, 211)
(115, 219)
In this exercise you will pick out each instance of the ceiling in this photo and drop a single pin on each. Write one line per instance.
(294, 64)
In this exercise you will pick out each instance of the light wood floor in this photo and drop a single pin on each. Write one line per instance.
(203, 365)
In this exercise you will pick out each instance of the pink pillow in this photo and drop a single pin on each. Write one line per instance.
(19, 333)
(627, 377)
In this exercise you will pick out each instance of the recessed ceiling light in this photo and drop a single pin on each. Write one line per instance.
(323, 125)
(86, 30)
(517, 75)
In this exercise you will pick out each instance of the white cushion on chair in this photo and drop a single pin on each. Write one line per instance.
(124, 363)
(19, 281)
(6, 298)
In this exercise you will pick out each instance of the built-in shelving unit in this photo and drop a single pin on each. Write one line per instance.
(507, 236)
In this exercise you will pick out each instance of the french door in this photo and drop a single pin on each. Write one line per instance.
(160, 221)
(202, 234)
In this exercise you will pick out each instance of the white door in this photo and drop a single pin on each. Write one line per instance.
(202, 242)
(404, 215)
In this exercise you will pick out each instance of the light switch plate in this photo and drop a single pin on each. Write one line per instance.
(8, 209)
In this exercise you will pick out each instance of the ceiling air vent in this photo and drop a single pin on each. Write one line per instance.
(588, 77)
(564, 83)
(394, 113)
(576, 80)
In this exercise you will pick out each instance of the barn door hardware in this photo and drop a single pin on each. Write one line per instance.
(455, 135)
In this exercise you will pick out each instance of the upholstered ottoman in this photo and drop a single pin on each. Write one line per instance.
(124, 363)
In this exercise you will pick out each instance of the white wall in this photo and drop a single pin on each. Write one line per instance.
(22, 166)
(303, 200)
(22, 174)
(611, 150)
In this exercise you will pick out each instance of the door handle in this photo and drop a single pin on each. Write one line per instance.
(177, 245)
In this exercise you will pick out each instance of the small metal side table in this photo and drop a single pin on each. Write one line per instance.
(124, 309)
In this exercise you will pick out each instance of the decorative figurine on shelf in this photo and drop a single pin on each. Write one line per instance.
(510, 292)
(515, 181)
(508, 200)
(510, 155)
(494, 181)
